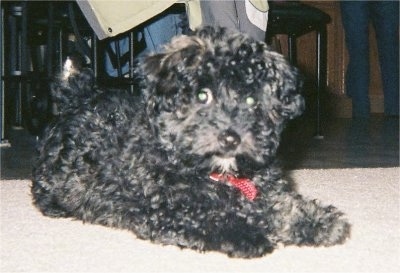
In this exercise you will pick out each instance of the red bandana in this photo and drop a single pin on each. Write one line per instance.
(245, 185)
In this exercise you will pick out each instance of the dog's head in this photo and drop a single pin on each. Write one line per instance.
(222, 97)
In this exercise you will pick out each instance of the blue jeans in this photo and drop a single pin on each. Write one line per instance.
(157, 33)
(384, 15)
(160, 32)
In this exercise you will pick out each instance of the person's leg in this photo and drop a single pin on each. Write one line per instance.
(219, 13)
(110, 66)
(246, 9)
(385, 16)
(159, 32)
(355, 18)
(231, 14)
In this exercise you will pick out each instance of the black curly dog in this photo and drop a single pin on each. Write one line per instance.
(191, 162)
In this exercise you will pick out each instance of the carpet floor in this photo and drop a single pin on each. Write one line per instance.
(370, 198)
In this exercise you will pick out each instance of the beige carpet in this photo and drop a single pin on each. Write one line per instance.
(370, 197)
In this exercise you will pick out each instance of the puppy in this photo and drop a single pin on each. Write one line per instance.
(191, 162)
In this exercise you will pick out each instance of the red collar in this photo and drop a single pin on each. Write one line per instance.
(245, 185)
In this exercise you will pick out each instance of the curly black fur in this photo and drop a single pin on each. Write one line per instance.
(212, 102)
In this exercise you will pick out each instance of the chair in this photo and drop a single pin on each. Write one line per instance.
(35, 39)
(295, 19)
(30, 38)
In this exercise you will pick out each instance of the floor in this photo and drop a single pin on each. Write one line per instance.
(347, 143)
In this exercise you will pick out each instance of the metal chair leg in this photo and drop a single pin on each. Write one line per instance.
(3, 138)
(292, 49)
(321, 76)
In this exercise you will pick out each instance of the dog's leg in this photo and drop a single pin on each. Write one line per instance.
(46, 201)
(239, 239)
(60, 172)
(55, 198)
(229, 234)
(304, 222)
(45, 179)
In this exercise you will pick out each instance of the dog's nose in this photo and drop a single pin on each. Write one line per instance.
(229, 139)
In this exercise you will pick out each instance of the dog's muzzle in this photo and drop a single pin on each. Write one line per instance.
(229, 140)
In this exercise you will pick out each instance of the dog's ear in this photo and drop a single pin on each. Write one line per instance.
(284, 82)
(181, 56)
(165, 74)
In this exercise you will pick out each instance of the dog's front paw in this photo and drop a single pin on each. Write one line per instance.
(327, 228)
(331, 229)
(245, 244)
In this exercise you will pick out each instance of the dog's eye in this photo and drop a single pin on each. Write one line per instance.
(204, 96)
(250, 101)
